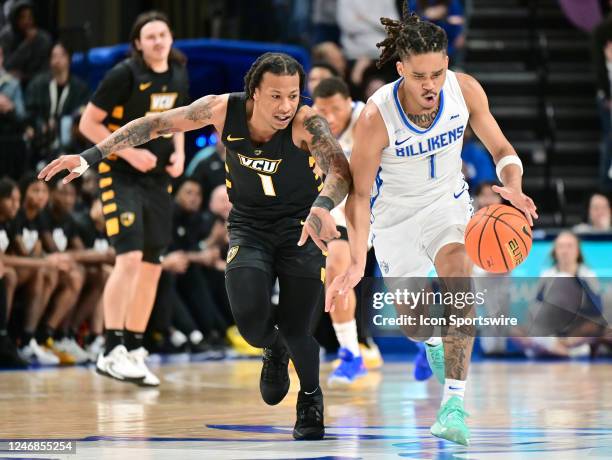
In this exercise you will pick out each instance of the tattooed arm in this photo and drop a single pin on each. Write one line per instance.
(209, 110)
(328, 154)
(317, 138)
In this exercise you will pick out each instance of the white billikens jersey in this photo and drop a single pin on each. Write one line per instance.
(418, 166)
(346, 142)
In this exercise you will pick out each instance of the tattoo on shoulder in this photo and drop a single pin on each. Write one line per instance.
(200, 110)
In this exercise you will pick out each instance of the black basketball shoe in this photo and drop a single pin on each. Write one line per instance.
(274, 380)
(309, 425)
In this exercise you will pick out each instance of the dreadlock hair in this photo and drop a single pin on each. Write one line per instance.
(410, 35)
(276, 63)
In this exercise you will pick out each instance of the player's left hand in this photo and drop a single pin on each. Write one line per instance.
(176, 166)
(320, 226)
(69, 162)
(519, 200)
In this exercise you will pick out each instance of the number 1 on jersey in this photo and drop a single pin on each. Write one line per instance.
(432, 166)
(267, 184)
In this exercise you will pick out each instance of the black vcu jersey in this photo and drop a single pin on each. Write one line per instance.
(137, 206)
(270, 181)
(131, 90)
(272, 187)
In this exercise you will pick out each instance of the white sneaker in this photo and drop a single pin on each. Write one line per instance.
(95, 348)
(33, 352)
(71, 346)
(118, 365)
(138, 357)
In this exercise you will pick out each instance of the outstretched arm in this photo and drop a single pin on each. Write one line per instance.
(330, 158)
(209, 110)
(370, 138)
(510, 170)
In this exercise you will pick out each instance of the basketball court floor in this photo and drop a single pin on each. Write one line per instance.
(212, 410)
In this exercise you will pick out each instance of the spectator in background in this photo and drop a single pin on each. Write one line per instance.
(91, 230)
(360, 31)
(9, 204)
(26, 47)
(568, 315)
(598, 216)
(208, 168)
(324, 23)
(485, 196)
(320, 70)
(13, 161)
(53, 99)
(37, 273)
(201, 237)
(330, 53)
(447, 14)
(478, 165)
(601, 50)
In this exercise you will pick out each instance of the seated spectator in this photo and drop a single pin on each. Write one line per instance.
(478, 165)
(26, 47)
(568, 315)
(13, 160)
(599, 217)
(9, 204)
(320, 70)
(53, 100)
(29, 228)
(98, 258)
(208, 168)
(330, 53)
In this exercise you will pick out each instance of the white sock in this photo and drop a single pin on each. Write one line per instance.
(347, 336)
(433, 341)
(453, 388)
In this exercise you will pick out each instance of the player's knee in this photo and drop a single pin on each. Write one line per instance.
(256, 337)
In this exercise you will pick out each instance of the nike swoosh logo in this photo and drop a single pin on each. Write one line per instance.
(400, 143)
(454, 116)
(144, 86)
(454, 388)
(302, 222)
(233, 139)
(457, 195)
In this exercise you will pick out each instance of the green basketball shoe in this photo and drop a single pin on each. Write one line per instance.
(450, 422)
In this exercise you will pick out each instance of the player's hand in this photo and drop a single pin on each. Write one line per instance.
(320, 226)
(177, 165)
(62, 261)
(337, 293)
(175, 262)
(141, 159)
(519, 200)
(69, 162)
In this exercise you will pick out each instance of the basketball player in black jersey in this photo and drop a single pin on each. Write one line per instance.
(134, 188)
(273, 144)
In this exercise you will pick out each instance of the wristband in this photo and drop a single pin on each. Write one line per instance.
(505, 161)
(324, 202)
(92, 155)
(82, 167)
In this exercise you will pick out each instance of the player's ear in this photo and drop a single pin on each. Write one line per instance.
(137, 44)
(399, 65)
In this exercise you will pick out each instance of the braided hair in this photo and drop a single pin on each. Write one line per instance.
(410, 35)
(276, 63)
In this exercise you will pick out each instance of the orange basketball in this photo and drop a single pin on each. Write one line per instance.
(498, 238)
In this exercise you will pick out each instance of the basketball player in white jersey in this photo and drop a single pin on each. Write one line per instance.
(408, 144)
(332, 100)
